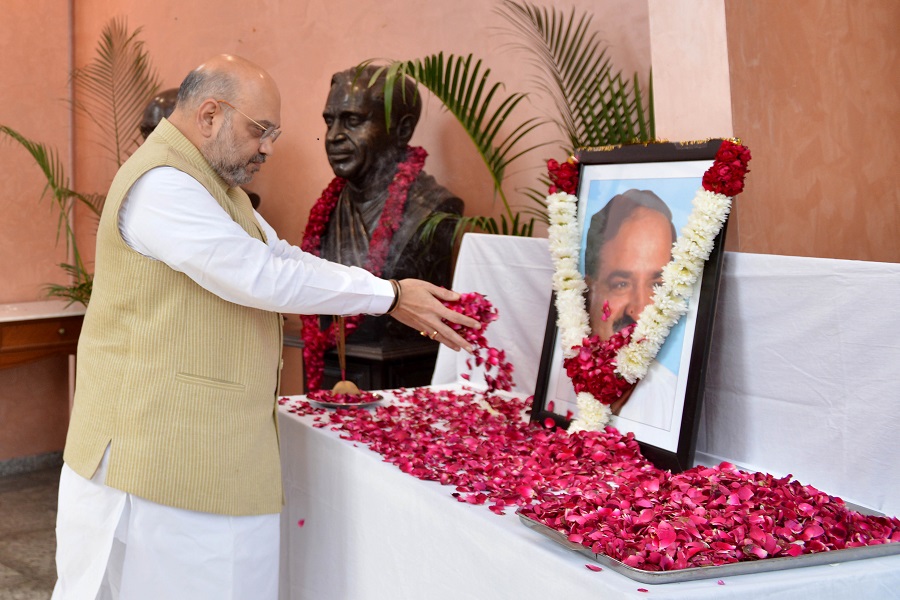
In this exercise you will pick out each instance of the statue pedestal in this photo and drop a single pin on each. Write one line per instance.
(379, 365)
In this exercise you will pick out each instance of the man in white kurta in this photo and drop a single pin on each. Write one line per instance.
(140, 515)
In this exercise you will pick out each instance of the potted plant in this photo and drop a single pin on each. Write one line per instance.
(112, 91)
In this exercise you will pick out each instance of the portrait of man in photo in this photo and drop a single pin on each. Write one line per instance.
(628, 243)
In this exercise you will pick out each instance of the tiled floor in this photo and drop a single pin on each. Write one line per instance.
(27, 534)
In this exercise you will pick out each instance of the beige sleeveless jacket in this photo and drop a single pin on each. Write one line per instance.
(179, 383)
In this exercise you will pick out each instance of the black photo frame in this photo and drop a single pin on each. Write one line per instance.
(675, 170)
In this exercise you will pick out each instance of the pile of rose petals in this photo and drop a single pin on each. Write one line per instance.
(597, 488)
(338, 398)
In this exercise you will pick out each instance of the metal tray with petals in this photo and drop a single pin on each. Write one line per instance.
(739, 568)
(363, 404)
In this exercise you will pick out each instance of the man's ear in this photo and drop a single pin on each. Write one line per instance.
(405, 129)
(205, 117)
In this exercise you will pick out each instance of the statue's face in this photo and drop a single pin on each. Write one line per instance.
(356, 135)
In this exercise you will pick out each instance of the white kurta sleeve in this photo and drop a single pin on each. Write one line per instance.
(169, 216)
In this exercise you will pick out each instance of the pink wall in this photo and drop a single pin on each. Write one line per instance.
(303, 43)
(817, 97)
(35, 57)
(689, 50)
(33, 102)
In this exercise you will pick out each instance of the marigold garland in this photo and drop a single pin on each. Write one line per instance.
(315, 340)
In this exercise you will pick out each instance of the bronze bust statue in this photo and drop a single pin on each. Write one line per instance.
(363, 150)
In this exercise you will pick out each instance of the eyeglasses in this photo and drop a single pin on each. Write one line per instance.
(268, 133)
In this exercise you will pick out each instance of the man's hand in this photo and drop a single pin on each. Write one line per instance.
(420, 308)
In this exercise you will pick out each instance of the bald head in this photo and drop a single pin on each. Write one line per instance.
(225, 77)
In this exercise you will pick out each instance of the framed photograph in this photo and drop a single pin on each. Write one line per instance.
(632, 204)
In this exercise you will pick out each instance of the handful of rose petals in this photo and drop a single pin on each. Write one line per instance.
(497, 370)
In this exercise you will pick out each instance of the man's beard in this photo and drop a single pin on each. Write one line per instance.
(223, 157)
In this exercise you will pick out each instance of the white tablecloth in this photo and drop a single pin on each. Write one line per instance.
(804, 367)
(372, 532)
(803, 380)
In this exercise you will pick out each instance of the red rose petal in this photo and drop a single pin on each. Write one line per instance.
(594, 568)
(666, 534)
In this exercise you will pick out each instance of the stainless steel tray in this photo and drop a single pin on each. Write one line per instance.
(327, 404)
(739, 568)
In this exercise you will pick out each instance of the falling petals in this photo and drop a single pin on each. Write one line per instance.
(497, 370)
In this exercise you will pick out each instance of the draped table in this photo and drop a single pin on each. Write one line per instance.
(803, 380)
(357, 528)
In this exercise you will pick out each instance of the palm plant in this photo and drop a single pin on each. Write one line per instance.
(594, 105)
(112, 91)
(63, 197)
(479, 106)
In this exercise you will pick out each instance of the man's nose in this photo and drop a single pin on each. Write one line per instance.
(638, 300)
(334, 132)
(267, 146)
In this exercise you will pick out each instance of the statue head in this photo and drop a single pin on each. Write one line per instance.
(159, 107)
(360, 145)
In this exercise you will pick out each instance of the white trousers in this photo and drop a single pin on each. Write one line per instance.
(112, 545)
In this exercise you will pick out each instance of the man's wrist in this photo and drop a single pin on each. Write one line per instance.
(397, 292)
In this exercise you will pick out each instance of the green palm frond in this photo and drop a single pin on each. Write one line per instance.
(57, 186)
(112, 91)
(512, 224)
(79, 290)
(114, 88)
(61, 195)
(595, 106)
(465, 90)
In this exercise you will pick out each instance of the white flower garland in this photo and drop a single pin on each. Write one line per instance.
(669, 302)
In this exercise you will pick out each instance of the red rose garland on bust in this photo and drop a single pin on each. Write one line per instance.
(316, 341)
